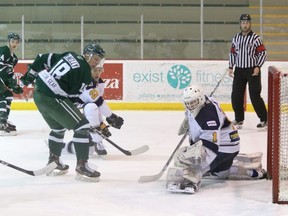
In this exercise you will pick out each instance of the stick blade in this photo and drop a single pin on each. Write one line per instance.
(146, 179)
(140, 150)
(49, 168)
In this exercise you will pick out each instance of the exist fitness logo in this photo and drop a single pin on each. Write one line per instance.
(179, 76)
(172, 80)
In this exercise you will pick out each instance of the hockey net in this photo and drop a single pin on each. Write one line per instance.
(277, 152)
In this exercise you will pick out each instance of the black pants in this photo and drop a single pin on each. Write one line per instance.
(241, 77)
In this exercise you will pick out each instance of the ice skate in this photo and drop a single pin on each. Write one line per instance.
(5, 130)
(262, 124)
(100, 149)
(86, 173)
(238, 125)
(183, 187)
(11, 126)
(260, 173)
(69, 148)
(61, 168)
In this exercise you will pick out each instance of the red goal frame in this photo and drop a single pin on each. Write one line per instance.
(273, 135)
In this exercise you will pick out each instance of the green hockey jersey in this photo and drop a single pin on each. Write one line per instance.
(7, 63)
(66, 75)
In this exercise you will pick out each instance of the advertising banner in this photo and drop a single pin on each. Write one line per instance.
(164, 81)
(161, 81)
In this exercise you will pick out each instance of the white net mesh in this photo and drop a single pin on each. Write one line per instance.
(283, 142)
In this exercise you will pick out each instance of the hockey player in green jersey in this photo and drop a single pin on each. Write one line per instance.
(56, 89)
(8, 83)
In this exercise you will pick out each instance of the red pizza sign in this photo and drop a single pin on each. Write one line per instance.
(113, 78)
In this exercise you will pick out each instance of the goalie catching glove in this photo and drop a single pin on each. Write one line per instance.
(192, 156)
(115, 121)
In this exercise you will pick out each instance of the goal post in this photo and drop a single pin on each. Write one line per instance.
(277, 136)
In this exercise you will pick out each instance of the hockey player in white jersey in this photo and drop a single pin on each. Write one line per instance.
(94, 109)
(214, 144)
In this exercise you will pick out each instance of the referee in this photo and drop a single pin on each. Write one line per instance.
(247, 54)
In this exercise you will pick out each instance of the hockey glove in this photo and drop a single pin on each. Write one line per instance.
(115, 121)
(17, 89)
(29, 77)
(25, 81)
(11, 83)
(103, 128)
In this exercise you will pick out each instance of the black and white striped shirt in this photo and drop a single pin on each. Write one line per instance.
(247, 51)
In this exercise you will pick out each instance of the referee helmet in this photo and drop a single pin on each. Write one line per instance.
(245, 17)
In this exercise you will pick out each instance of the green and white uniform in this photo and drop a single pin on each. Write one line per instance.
(7, 63)
(56, 89)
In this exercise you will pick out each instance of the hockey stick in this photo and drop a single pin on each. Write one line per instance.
(218, 83)
(145, 179)
(25, 98)
(137, 151)
(50, 167)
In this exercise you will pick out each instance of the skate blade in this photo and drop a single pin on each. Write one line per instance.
(185, 191)
(102, 157)
(239, 127)
(57, 172)
(86, 179)
(11, 133)
(176, 189)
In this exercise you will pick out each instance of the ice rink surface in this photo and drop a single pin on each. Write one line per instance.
(118, 192)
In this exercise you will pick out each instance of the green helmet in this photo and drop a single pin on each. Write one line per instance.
(94, 48)
(13, 36)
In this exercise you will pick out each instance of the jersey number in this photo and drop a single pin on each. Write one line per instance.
(60, 69)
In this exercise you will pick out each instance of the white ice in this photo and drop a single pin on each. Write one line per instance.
(118, 192)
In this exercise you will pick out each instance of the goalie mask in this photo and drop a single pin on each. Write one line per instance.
(193, 98)
(92, 50)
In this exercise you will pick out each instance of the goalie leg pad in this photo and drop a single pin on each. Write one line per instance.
(252, 160)
(247, 166)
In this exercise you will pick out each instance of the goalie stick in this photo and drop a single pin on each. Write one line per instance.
(137, 151)
(145, 179)
(39, 172)
(218, 83)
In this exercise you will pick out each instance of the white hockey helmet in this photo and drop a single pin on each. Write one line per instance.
(193, 98)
